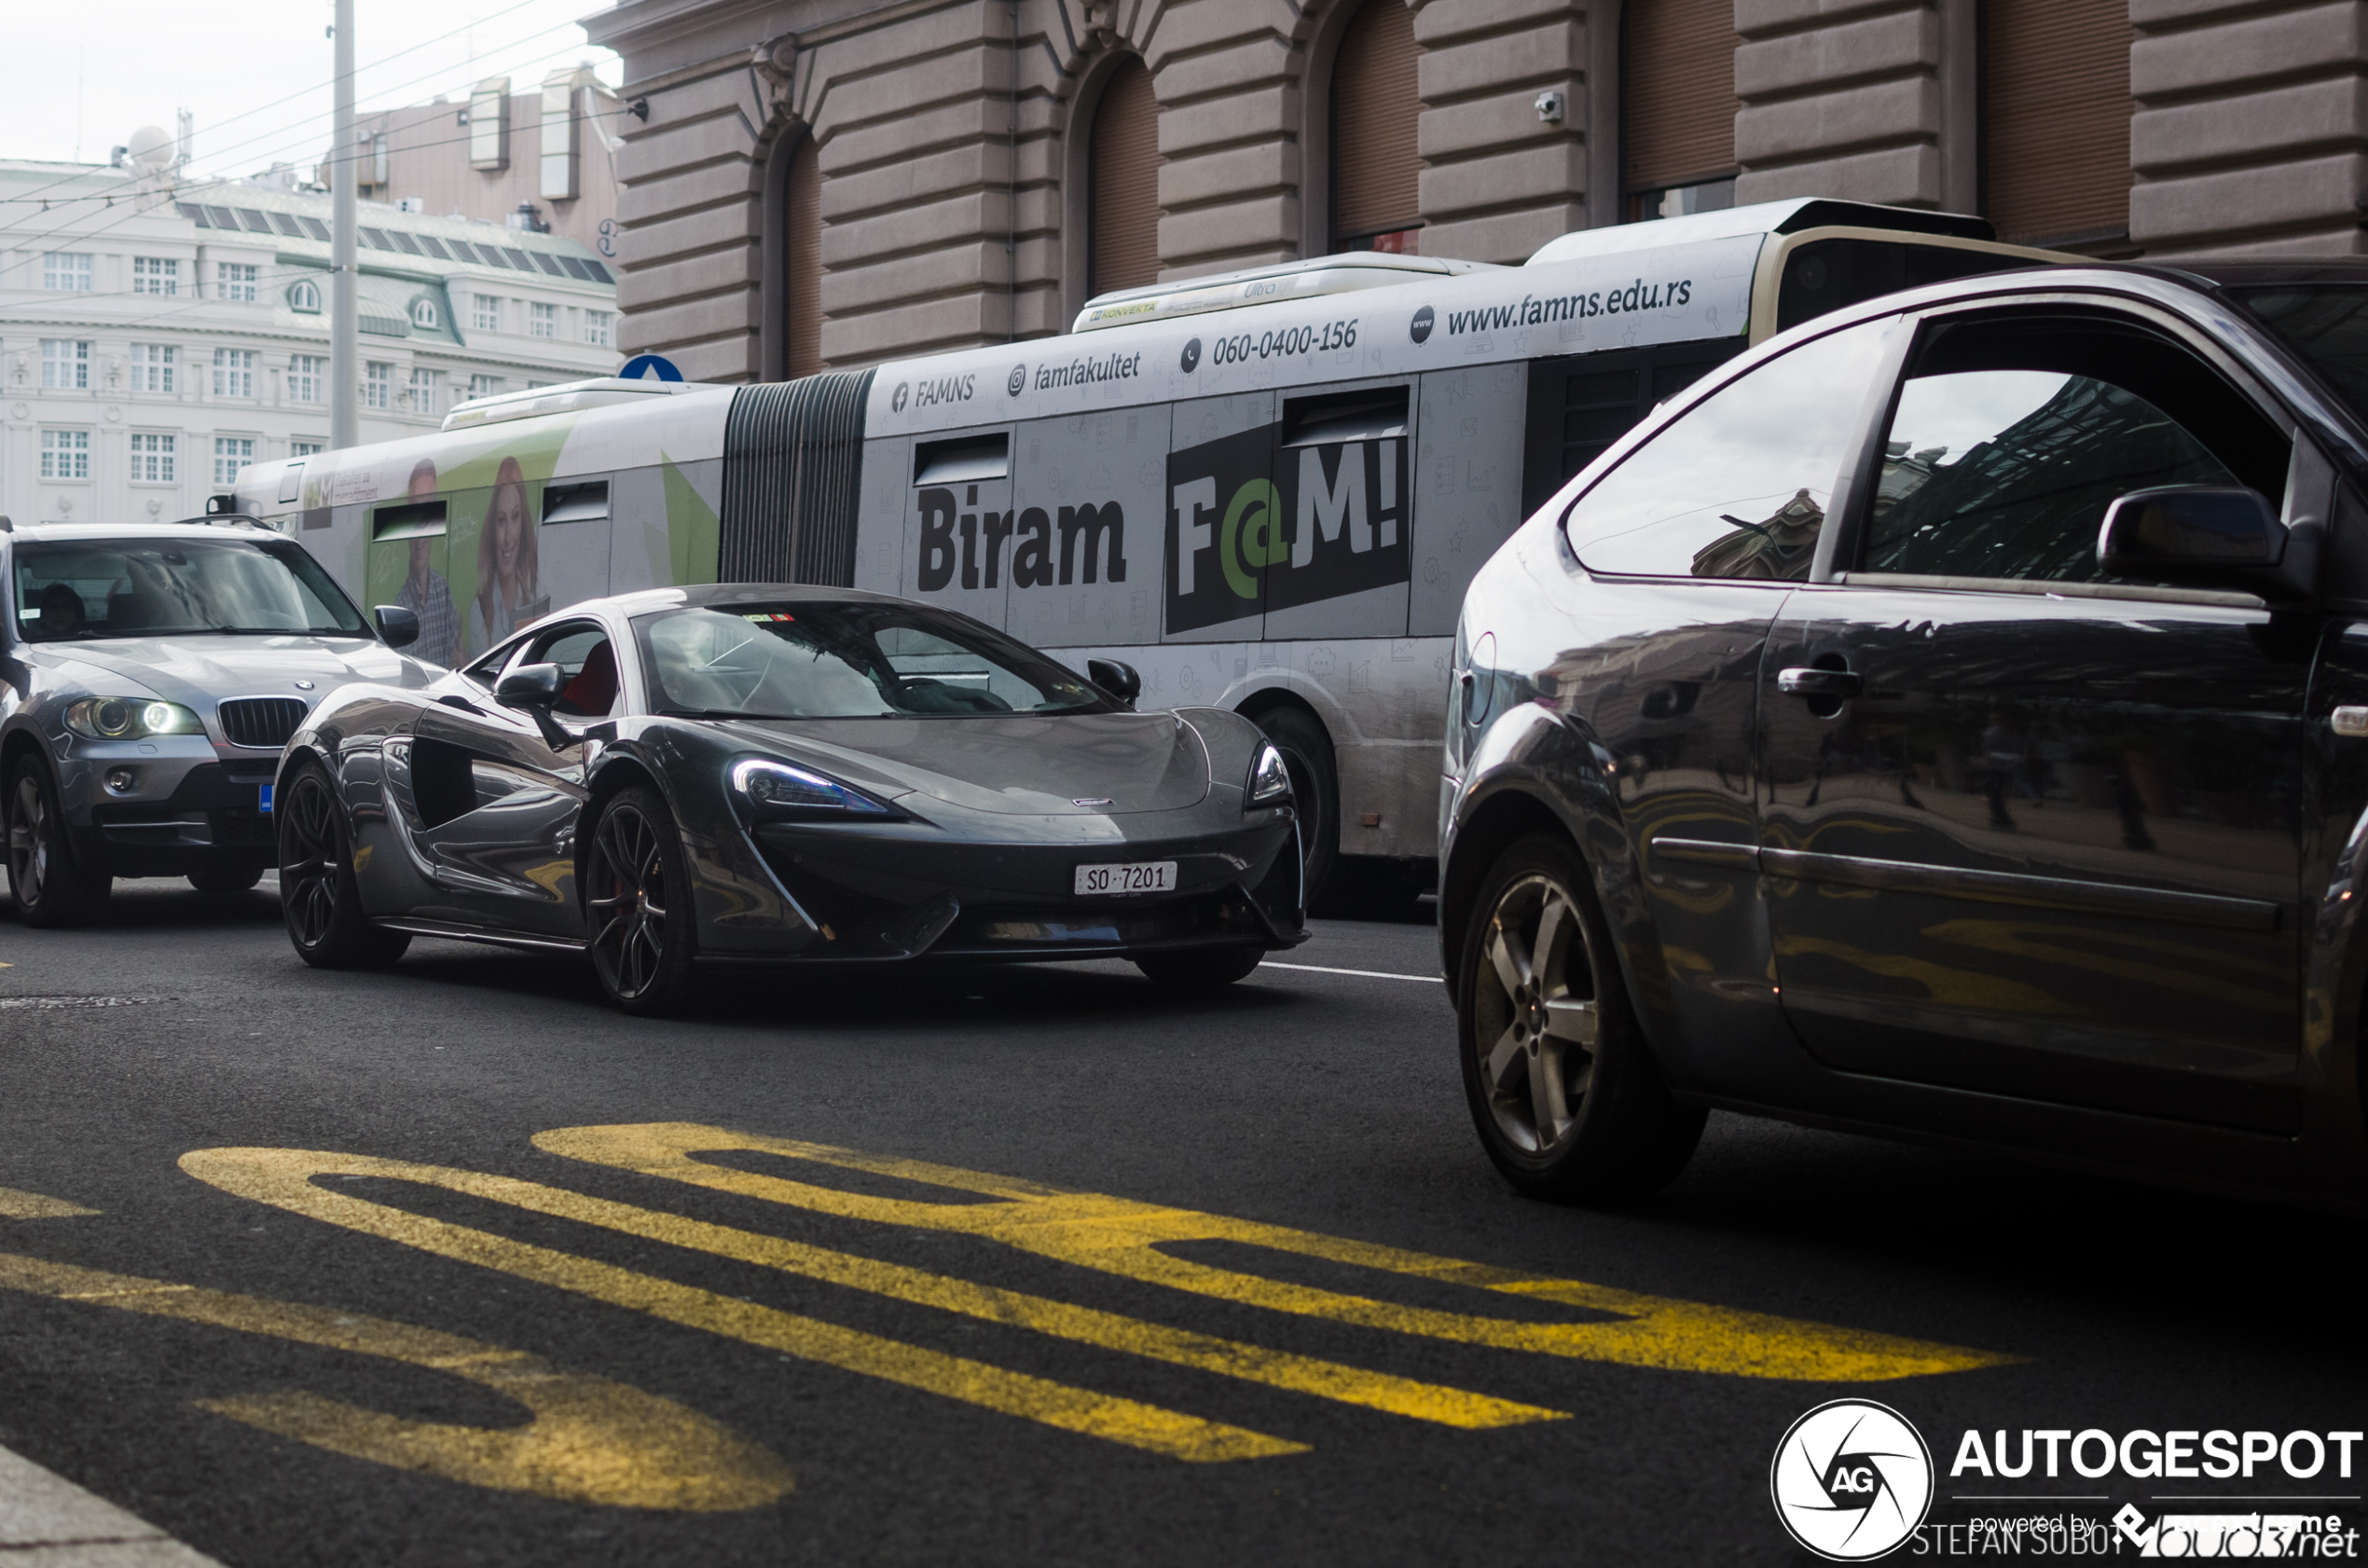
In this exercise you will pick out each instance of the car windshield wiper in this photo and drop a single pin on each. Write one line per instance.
(282, 631)
(719, 713)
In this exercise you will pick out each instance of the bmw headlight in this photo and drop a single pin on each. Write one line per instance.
(130, 719)
(1270, 780)
(781, 790)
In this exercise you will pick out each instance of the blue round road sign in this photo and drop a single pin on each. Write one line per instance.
(641, 366)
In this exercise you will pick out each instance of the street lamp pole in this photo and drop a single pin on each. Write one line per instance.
(345, 319)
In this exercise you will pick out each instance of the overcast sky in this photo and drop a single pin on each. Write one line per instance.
(90, 74)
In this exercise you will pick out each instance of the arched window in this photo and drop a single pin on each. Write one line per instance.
(2056, 121)
(424, 314)
(1375, 201)
(1123, 185)
(306, 297)
(1678, 107)
(802, 198)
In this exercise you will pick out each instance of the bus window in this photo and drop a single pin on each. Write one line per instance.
(1580, 404)
(965, 461)
(1365, 415)
(1827, 274)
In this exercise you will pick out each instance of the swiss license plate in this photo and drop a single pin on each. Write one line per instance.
(1143, 876)
(265, 805)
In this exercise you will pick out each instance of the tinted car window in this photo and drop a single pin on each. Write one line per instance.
(1737, 485)
(585, 657)
(2327, 324)
(818, 660)
(2012, 436)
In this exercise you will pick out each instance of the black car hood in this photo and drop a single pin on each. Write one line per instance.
(1016, 764)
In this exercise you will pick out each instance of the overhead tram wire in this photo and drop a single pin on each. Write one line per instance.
(308, 138)
(178, 191)
(331, 82)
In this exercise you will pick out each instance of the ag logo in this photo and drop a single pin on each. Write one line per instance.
(903, 391)
(1420, 328)
(1851, 1481)
(1018, 381)
(1192, 356)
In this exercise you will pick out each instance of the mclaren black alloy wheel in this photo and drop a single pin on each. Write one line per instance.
(51, 889)
(1307, 752)
(637, 908)
(1561, 1085)
(319, 896)
(1201, 969)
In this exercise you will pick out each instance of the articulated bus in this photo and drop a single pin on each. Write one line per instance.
(1266, 490)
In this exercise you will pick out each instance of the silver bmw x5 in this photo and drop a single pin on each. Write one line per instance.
(148, 678)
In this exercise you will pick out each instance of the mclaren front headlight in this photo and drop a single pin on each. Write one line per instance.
(130, 719)
(784, 792)
(1270, 781)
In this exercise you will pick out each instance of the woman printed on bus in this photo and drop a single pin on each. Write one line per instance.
(507, 595)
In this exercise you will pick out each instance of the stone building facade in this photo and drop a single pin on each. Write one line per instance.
(833, 183)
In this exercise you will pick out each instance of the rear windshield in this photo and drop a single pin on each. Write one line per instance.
(86, 589)
(808, 660)
(2326, 324)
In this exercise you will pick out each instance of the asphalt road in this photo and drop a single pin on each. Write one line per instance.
(727, 1311)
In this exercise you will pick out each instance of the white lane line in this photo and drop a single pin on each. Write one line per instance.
(55, 1523)
(1361, 974)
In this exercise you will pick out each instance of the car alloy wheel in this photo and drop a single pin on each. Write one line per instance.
(637, 904)
(51, 889)
(308, 861)
(28, 839)
(1535, 1012)
(1569, 1104)
(320, 896)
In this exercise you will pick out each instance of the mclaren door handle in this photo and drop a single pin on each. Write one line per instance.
(1819, 682)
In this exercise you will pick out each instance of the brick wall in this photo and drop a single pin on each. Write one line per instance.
(952, 188)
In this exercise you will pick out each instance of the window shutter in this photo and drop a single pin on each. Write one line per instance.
(806, 259)
(2056, 118)
(1374, 110)
(1122, 197)
(1679, 103)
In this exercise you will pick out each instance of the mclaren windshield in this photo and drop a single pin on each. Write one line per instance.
(76, 590)
(821, 660)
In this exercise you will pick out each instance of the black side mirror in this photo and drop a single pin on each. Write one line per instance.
(1118, 679)
(534, 688)
(2181, 531)
(531, 686)
(399, 627)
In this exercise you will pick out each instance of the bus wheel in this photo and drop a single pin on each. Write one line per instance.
(1307, 752)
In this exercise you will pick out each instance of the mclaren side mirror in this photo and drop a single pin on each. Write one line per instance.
(533, 689)
(531, 686)
(398, 627)
(1119, 678)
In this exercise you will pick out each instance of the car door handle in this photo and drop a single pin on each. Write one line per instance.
(1819, 682)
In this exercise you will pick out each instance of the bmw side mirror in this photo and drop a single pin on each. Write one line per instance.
(399, 628)
(1117, 677)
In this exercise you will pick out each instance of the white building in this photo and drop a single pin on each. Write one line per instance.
(155, 335)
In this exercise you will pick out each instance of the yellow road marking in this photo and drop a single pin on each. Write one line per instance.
(1301, 1374)
(284, 1178)
(591, 1441)
(1119, 1236)
(33, 1205)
